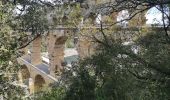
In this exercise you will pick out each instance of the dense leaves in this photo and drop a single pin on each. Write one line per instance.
(117, 73)
(136, 71)
(8, 64)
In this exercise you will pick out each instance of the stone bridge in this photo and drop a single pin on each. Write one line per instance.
(39, 70)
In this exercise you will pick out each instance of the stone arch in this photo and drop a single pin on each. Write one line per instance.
(39, 83)
(24, 74)
(59, 53)
(60, 40)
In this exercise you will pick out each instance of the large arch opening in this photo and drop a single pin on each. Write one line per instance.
(25, 74)
(59, 48)
(39, 83)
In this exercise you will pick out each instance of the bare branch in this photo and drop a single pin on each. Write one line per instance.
(23, 46)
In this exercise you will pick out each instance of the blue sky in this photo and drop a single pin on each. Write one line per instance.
(154, 16)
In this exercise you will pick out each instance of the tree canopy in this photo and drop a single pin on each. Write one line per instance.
(129, 63)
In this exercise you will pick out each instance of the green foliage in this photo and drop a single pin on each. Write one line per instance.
(54, 94)
(118, 73)
(69, 43)
(115, 72)
(34, 19)
(8, 55)
(75, 15)
(83, 86)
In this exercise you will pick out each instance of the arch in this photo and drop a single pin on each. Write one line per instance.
(25, 74)
(58, 54)
(39, 83)
(60, 40)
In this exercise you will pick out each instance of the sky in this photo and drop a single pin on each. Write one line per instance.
(153, 16)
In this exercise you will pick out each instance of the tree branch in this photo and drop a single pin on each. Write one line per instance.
(23, 46)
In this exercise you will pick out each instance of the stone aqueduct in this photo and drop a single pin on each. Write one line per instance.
(38, 73)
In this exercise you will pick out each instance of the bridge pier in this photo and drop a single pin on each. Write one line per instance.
(56, 58)
(31, 85)
(36, 51)
(56, 45)
(41, 75)
(85, 48)
(20, 79)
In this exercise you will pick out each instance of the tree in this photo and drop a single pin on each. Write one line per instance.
(8, 63)
(139, 70)
(116, 71)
